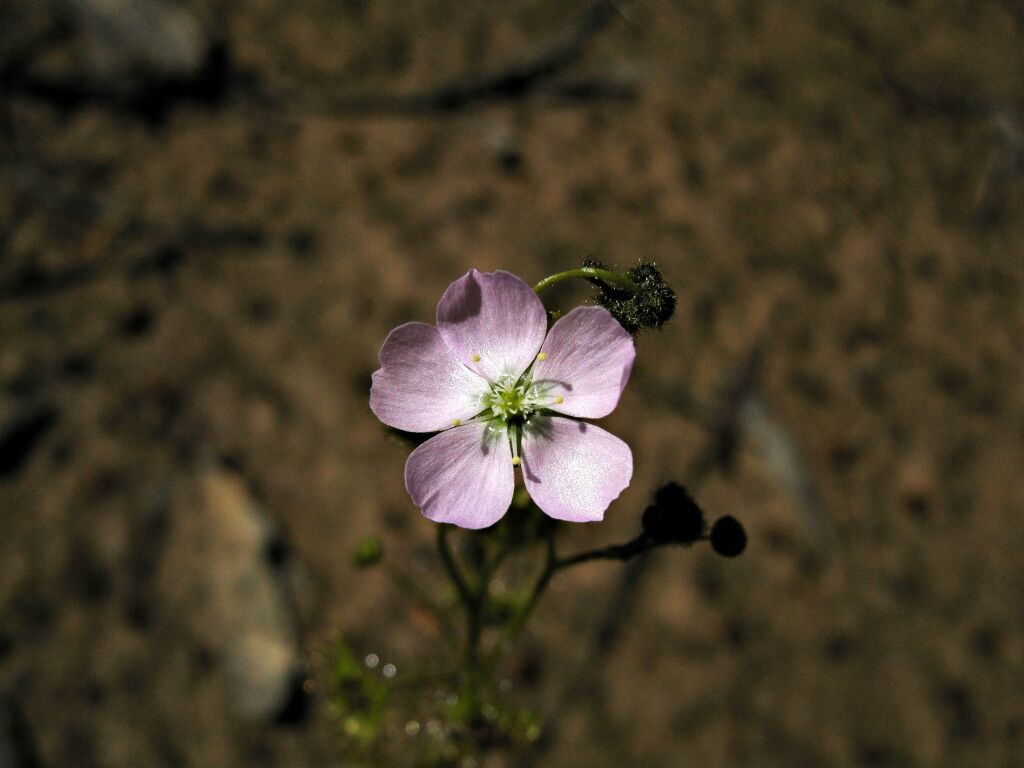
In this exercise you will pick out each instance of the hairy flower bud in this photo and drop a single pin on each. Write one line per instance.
(674, 516)
(649, 306)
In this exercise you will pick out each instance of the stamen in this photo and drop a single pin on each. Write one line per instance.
(513, 437)
(542, 355)
(456, 422)
(476, 358)
(559, 400)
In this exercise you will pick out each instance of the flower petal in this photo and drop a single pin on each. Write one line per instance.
(574, 470)
(420, 386)
(493, 322)
(463, 476)
(588, 357)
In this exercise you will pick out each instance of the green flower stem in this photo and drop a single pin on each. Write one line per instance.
(552, 565)
(518, 621)
(470, 603)
(476, 670)
(448, 561)
(473, 598)
(587, 273)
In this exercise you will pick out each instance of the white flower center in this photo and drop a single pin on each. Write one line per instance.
(513, 398)
(512, 401)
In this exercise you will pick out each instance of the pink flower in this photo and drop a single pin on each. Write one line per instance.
(503, 391)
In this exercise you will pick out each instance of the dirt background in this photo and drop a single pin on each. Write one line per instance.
(212, 213)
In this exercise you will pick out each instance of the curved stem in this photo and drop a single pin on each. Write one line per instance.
(448, 561)
(515, 626)
(587, 273)
(473, 601)
(492, 565)
(550, 566)
(623, 552)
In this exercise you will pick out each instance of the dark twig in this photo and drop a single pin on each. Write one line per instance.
(513, 82)
(100, 258)
(218, 82)
(912, 96)
(623, 552)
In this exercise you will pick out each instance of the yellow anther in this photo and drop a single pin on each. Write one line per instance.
(542, 355)
(476, 358)
(456, 422)
(559, 400)
(516, 461)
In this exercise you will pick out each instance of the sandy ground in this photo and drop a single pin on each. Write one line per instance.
(197, 272)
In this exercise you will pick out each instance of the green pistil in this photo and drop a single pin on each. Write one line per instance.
(507, 400)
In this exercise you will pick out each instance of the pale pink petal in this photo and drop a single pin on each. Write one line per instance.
(587, 360)
(574, 470)
(493, 322)
(463, 476)
(420, 386)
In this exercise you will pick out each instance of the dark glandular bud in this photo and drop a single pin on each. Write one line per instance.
(650, 306)
(728, 537)
(674, 516)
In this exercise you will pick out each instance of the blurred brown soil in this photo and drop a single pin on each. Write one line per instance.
(208, 283)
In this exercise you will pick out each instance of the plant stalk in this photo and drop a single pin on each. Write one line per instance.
(587, 273)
